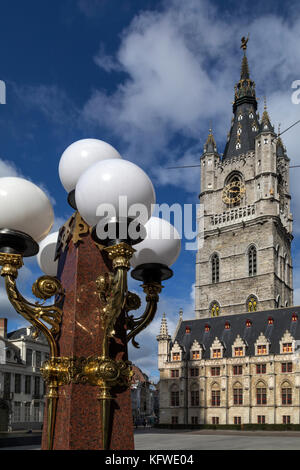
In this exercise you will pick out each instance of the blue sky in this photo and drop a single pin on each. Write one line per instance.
(148, 77)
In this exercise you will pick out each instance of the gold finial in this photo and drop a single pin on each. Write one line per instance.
(279, 126)
(265, 103)
(244, 42)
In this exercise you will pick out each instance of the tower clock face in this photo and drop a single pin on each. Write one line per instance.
(233, 192)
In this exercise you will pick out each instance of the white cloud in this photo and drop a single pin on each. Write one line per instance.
(182, 63)
(8, 169)
(105, 61)
(168, 90)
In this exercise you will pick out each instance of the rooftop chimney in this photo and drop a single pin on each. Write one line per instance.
(3, 327)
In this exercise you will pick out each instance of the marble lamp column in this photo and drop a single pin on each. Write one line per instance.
(78, 414)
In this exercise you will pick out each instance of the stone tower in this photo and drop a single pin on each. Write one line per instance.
(164, 340)
(245, 262)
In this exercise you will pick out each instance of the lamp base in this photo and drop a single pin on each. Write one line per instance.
(151, 272)
(109, 232)
(17, 243)
(71, 199)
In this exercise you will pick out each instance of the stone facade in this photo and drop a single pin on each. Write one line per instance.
(237, 363)
(260, 217)
(22, 388)
(224, 379)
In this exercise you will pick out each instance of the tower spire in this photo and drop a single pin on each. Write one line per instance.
(245, 124)
(163, 333)
(245, 74)
(210, 145)
(265, 120)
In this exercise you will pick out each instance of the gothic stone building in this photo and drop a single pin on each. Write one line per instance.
(237, 362)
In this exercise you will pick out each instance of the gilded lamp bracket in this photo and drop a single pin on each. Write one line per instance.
(43, 288)
(92, 370)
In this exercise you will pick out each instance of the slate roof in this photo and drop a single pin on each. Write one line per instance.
(259, 324)
(17, 333)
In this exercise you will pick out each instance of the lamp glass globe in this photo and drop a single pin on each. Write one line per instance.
(46, 254)
(25, 207)
(111, 189)
(81, 155)
(162, 244)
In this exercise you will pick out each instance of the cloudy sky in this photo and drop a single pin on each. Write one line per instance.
(149, 77)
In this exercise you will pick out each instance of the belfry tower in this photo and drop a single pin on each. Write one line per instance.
(245, 262)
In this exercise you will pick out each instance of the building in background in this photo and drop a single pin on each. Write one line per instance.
(237, 362)
(143, 398)
(22, 388)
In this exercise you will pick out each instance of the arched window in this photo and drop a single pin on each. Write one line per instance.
(277, 267)
(278, 301)
(237, 394)
(215, 395)
(215, 268)
(214, 309)
(286, 394)
(174, 396)
(261, 394)
(252, 261)
(252, 303)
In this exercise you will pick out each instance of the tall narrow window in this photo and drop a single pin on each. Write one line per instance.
(174, 398)
(238, 395)
(286, 395)
(195, 398)
(215, 398)
(215, 268)
(252, 261)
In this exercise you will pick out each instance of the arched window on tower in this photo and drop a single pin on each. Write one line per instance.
(214, 309)
(252, 303)
(252, 261)
(215, 268)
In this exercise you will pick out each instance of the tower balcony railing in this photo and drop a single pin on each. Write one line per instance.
(235, 214)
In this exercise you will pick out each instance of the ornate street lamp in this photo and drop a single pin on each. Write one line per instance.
(107, 193)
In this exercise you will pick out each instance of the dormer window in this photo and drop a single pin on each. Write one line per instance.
(207, 328)
(216, 353)
(176, 356)
(251, 116)
(239, 131)
(262, 349)
(270, 321)
(287, 348)
(248, 323)
(294, 317)
(239, 351)
(195, 355)
(238, 146)
(187, 330)
(227, 326)
(254, 128)
(240, 117)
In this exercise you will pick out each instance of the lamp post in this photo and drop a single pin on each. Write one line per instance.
(86, 265)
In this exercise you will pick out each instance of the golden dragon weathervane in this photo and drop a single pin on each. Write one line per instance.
(244, 42)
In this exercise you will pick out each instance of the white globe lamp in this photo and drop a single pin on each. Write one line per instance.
(157, 252)
(110, 190)
(26, 216)
(46, 255)
(78, 157)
